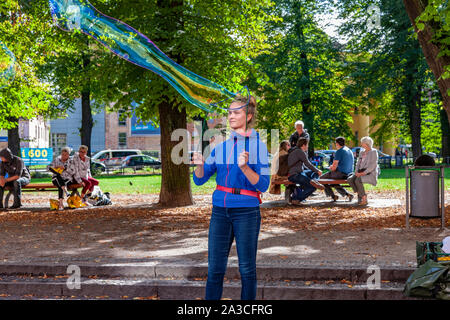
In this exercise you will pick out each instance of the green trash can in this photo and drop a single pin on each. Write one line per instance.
(431, 251)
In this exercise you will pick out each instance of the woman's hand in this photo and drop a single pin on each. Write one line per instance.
(243, 159)
(251, 175)
(197, 159)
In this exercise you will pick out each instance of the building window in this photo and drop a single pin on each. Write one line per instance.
(122, 139)
(122, 118)
(57, 142)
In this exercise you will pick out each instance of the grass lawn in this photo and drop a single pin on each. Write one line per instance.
(139, 184)
(390, 179)
(394, 179)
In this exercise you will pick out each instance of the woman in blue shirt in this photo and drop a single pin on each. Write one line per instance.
(243, 172)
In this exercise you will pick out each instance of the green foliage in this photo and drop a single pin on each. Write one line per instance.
(214, 39)
(431, 122)
(388, 68)
(431, 128)
(65, 68)
(437, 16)
(290, 83)
(27, 37)
(389, 179)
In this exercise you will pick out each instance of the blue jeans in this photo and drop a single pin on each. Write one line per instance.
(303, 179)
(226, 225)
(16, 190)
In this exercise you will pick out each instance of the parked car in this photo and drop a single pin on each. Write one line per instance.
(326, 157)
(112, 158)
(356, 151)
(97, 167)
(384, 159)
(330, 154)
(327, 152)
(319, 159)
(383, 155)
(140, 161)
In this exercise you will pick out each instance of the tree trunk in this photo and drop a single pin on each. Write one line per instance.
(308, 116)
(86, 120)
(86, 113)
(14, 138)
(176, 180)
(415, 122)
(414, 8)
(445, 128)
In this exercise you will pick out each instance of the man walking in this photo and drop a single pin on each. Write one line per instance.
(340, 169)
(18, 176)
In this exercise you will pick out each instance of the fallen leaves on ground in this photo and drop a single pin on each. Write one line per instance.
(147, 298)
(333, 218)
(307, 217)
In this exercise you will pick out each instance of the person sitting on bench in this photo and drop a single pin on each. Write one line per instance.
(297, 174)
(340, 169)
(62, 176)
(366, 171)
(18, 176)
(82, 172)
(279, 168)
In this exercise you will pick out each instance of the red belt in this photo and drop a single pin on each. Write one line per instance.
(244, 192)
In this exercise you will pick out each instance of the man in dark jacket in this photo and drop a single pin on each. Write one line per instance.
(18, 176)
(300, 132)
(307, 179)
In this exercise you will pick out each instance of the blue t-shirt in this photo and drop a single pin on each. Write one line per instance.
(345, 157)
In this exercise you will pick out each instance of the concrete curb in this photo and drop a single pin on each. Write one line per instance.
(189, 272)
(187, 282)
(191, 290)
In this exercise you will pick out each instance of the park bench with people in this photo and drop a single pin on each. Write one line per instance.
(305, 178)
(69, 174)
(41, 187)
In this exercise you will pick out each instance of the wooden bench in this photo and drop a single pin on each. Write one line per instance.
(321, 181)
(43, 187)
(40, 187)
(287, 183)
